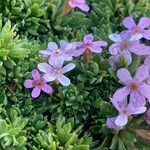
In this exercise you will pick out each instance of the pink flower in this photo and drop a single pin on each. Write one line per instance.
(80, 4)
(53, 72)
(137, 31)
(126, 109)
(38, 84)
(125, 43)
(133, 86)
(88, 43)
(59, 55)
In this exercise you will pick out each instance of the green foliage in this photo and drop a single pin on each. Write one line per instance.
(60, 137)
(12, 132)
(26, 26)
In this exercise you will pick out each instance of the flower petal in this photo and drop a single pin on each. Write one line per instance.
(136, 99)
(115, 103)
(28, 83)
(145, 90)
(49, 77)
(63, 44)
(88, 38)
(56, 61)
(35, 74)
(68, 67)
(128, 57)
(44, 67)
(84, 7)
(136, 110)
(52, 46)
(99, 43)
(129, 23)
(113, 49)
(144, 22)
(95, 49)
(115, 37)
(146, 34)
(121, 120)
(45, 52)
(111, 123)
(141, 73)
(47, 88)
(124, 75)
(136, 36)
(64, 80)
(140, 49)
(36, 92)
(79, 52)
(121, 94)
(113, 61)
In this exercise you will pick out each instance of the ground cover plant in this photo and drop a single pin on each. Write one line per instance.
(74, 75)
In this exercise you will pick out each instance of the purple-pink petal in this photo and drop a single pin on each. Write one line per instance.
(95, 49)
(115, 37)
(99, 43)
(140, 49)
(28, 83)
(121, 94)
(124, 75)
(79, 52)
(144, 22)
(145, 91)
(84, 7)
(68, 67)
(141, 73)
(52, 46)
(121, 120)
(35, 74)
(111, 123)
(36, 92)
(56, 61)
(136, 99)
(88, 38)
(113, 62)
(47, 88)
(44, 67)
(129, 23)
(49, 77)
(146, 34)
(64, 80)
(113, 49)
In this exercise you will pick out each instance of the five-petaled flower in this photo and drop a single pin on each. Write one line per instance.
(137, 31)
(80, 4)
(124, 43)
(88, 44)
(59, 55)
(125, 109)
(38, 84)
(56, 72)
(133, 86)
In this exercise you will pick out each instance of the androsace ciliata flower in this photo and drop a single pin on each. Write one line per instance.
(133, 86)
(137, 31)
(38, 84)
(59, 55)
(56, 72)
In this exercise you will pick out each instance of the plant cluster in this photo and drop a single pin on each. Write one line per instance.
(64, 85)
